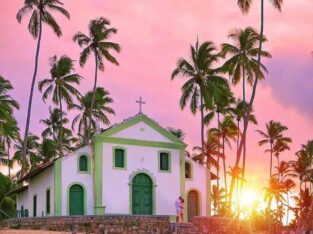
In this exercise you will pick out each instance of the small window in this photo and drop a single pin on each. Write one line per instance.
(83, 161)
(187, 170)
(164, 161)
(35, 206)
(119, 158)
(48, 201)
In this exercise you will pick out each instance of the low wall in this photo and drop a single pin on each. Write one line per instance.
(221, 225)
(94, 224)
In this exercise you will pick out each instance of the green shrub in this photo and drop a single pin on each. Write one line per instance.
(7, 205)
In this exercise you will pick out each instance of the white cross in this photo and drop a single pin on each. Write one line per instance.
(140, 102)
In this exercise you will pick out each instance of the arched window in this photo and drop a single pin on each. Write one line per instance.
(83, 163)
(188, 170)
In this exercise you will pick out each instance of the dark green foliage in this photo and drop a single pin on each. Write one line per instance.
(7, 206)
(5, 185)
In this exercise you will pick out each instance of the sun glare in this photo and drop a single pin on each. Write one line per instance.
(248, 198)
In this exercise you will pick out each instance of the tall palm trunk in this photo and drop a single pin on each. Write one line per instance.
(218, 155)
(93, 99)
(287, 216)
(271, 160)
(202, 123)
(61, 124)
(9, 161)
(224, 167)
(30, 101)
(246, 115)
(244, 142)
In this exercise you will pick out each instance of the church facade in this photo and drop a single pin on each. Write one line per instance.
(135, 167)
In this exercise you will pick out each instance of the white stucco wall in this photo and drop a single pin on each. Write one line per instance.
(38, 185)
(22, 200)
(198, 183)
(141, 131)
(116, 189)
(70, 176)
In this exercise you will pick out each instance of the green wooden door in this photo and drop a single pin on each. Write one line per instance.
(76, 200)
(193, 205)
(142, 195)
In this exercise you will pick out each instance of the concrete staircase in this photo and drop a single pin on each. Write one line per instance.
(184, 228)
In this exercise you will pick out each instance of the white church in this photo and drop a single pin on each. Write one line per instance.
(134, 167)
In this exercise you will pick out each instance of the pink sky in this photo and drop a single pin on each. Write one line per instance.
(153, 35)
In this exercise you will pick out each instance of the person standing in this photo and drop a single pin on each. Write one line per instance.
(178, 209)
(182, 209)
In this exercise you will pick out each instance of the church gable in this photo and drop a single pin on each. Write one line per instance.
(141, 127)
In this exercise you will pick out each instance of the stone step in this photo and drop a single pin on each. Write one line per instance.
(184, 228)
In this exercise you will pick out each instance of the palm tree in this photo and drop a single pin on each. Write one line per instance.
(211, 150)
(228, 132)
(245, 5)
(40, 14)
(89, 117)
(60, 85)
(8, 125)
(238, 112)
(288, 184)
(279, 147)
(33, 158)
(274, 133)
(48, 150)
(202, 81)
(179, 133)
(53, 123)
(217, 195)
(97, 42)
(236, 174)
(274, 190)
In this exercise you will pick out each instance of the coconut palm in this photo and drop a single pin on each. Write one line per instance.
(243, 64)
(210, 152)
(61, 86)
(228, 132)
(90, 117)
(279, 147)
(272, 135)
(39, 15)
(53, 123)
(236, 174)
(8, 125)
(97, 43)
(245, 5)
(33, 159)
(9, 132)
(48, 150)
(288, 184)
(274, 191)
(202, 80)
(217, 195)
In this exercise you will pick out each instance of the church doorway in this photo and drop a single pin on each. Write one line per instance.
(76, 200)
(193, 204)
(142, 195)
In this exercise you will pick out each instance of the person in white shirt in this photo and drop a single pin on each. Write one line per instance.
(178, 208)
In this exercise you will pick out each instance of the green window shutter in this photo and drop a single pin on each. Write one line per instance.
(164, 162)
(83, 163)
(119, 158)
(48, 201)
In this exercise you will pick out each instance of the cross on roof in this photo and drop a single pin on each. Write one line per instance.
(140, 102)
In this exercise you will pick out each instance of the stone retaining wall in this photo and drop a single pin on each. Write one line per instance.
(94, 224)
(216, 225)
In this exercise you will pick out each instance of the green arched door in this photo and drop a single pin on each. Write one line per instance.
(142, 195)
(193, 205)
(76, 200)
